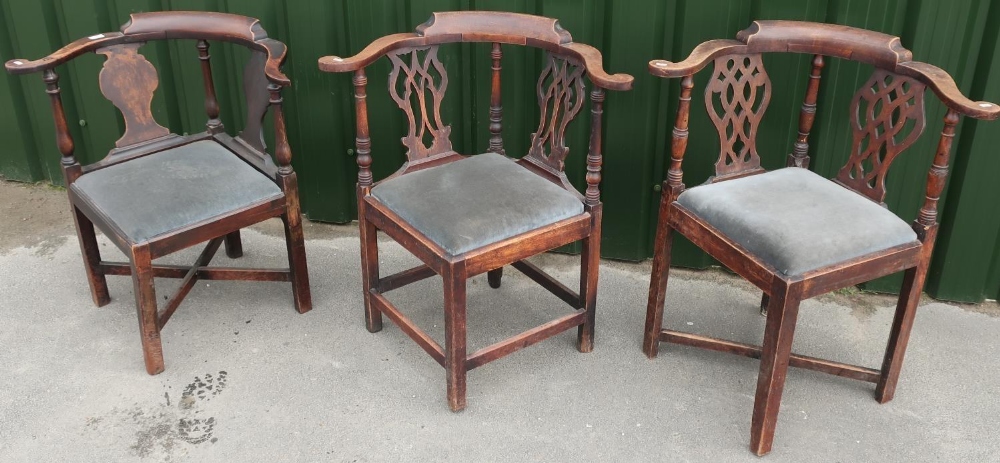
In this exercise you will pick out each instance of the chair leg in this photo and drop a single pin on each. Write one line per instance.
(296, 260)
(778, 333)
(765, 300)
(145, 305)
(590, 264)
(494, 276)
(369, 271)
(657, 288)
(906, 310)
(234, 245)
(454, 335)
(91, 258)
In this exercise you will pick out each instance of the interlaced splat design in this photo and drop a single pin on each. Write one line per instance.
(888, 116)
(744, 91)
(560, 98)
(410, 81)
(128, 81)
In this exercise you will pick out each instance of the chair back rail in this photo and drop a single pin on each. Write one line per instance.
(887, 112)
(830, 40)
(486, 26)
(418, 81)
(128, 80)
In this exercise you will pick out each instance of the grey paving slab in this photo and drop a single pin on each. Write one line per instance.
(248, 379)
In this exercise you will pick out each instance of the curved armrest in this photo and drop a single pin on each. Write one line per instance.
(703, 54)
(944, 87)
(66, 53)
(875, 48)
(276, 52)
(372, 52)
(595, 68)
(142, 27)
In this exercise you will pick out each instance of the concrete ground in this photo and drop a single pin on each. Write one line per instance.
(248, 379)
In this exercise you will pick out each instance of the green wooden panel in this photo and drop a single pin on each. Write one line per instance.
(18, 160)
(321, 111)
(966, 265)
(29, 25)
(961, 36)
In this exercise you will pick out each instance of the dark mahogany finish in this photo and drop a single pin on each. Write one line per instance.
(416, 68)
(887, 116)
(128, 81)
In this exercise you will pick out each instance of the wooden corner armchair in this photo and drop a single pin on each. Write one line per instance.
(791, 232)
(157, 192)
(467, 215)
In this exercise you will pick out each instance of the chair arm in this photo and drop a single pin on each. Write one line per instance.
(19, 66)
(143, 27)
(593, 61)
(703, 54)
(372, 52)
(944, 86)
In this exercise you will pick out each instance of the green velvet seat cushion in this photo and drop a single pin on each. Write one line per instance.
(796, 220)
(173, 189)
(473, 202)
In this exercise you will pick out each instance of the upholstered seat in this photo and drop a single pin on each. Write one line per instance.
(173, 189)
(796, 220)
(477, 201)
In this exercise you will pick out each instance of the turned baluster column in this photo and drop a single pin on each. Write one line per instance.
(496, 108)
(64, 140)
(937, 176)
(362, 142)
(214, 125)
(369, 240)
(679, 140)
(594, 158)
(282, 151)
(800, 152)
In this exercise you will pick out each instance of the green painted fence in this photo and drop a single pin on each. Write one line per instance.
(960, 36)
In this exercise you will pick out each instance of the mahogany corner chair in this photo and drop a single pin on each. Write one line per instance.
(468, 215)
(157, 192)
(790, 232)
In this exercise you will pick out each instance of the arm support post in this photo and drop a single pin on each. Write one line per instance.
(937, 176)
(800, 151)
(679, 140)
(362, 142)
(594, 157)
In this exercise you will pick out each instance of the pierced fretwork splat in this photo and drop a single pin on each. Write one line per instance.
(128, 81)
(560, 98)
(409, 83)
(744, 91)
(888, 116)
